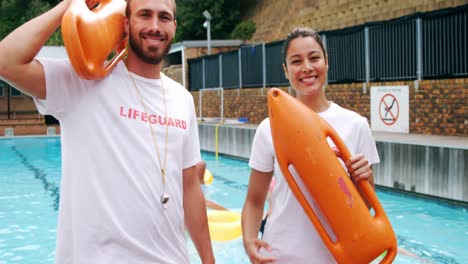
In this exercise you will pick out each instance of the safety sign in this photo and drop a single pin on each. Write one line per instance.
(389, 108)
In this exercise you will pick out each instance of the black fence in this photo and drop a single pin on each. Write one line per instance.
(346, 55)
(420, 46)
(230, 70)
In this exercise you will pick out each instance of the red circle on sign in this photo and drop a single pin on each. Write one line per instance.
(391, 109)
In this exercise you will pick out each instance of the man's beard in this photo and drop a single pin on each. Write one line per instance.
(138, 49)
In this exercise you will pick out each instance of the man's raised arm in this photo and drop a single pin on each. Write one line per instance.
(18, 50)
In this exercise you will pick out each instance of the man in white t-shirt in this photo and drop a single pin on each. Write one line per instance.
(129, 144)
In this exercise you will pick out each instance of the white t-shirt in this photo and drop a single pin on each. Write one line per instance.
(110, 209)
(288, 230)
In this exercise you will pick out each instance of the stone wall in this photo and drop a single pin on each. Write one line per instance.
(174, 72)
(250, 103)
(438, 107)
(20, 107)
(275, 18)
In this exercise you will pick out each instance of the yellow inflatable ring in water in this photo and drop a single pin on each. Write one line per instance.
(224, 225)
(208, 177)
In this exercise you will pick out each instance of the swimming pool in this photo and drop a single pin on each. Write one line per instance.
(29, 192)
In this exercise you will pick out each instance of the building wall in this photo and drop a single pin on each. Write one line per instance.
(438, 107)
(20, 107)
(191, 53)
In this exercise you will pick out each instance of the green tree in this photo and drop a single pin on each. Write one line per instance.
(225, 16)
(37, 7)
(225, 13)
(244, 30)
(13, 13)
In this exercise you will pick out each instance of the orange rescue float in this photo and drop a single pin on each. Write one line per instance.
(300, 139)
(91, 36)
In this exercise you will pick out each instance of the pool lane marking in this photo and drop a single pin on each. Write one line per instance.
(230, 183)
(50, 187)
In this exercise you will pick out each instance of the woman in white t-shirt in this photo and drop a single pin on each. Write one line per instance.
(289, 236)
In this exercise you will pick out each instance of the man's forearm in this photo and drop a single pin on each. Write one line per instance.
(197, 223)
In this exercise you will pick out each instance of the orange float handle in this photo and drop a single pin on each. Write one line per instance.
(121, 47)
(91, 35)
(367, 190)
(71, 19)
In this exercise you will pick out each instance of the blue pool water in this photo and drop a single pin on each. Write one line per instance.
(29, 193)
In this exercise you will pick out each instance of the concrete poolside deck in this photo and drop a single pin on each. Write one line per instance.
(402, 138)
(423, 164)
(423, 140)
